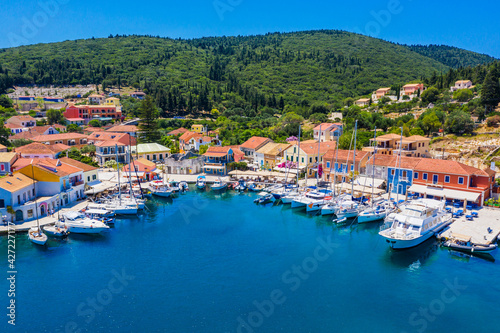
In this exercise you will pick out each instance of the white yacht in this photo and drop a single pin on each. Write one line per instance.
(418, 221)
(79, 224)
(348, 209)
(378, 212)
(308, 198)
(219, 185)
(331, 206)
(160, 188)
(290, 196)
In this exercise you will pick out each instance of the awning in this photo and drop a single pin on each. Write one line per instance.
(101, 187)
(368, 181)
(215, 167)
(444, 192)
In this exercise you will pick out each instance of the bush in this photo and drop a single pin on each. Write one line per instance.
(493, 121)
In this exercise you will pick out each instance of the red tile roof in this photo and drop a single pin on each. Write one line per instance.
(37, 148)
(109, 143)
(123, 129)
(254, 142)
(324, 126)
(178, 131)
(61, 136)
(78, 164)
(311, 148)
(344, 155)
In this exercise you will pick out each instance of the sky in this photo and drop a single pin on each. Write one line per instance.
(465, 24)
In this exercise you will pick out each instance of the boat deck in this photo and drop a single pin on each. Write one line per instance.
(46, 220)
(478, 228)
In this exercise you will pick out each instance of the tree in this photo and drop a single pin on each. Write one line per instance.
(462, 95)
(73, 128)
(493, 121)
(148, 124)
(55, 117)
(20, 142)
(203, 149)
(348, 101)
(317, 118)
(430, 123)
(490, 92)
(459, 122)
(430, 95)
(4, 135)
(5, 101)
(95, 123)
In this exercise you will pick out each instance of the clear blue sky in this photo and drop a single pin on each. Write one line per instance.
(469, 25)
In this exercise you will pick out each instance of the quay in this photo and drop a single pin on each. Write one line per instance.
(46, 220)
(476, 229)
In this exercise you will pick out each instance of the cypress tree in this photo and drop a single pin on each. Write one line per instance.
(148, 125)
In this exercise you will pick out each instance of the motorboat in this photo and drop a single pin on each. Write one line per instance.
(283, 191)
(160, 188)
(123, 208)
(464, 244)
(417, 221)
(36, 236)
(309, 197)
(318, 204)
(290, 196)
(201, 182)
(241, 186)
(264, 198)
(55, 231)
(103, 215)
(219, 185)
(183, 186)
(78, 223)
(175, 186)
(255, 187)
(378, 212)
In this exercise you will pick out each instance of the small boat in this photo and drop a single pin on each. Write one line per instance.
(241, 186)
(201, 182)
(174, 186)
(372, 214)
(160, 188)
(219, 185)
(264, 198)
(104, 215)
(36, 236)
(289, 197)
(340, 220)
(463, 243)
(255, 187)
(79, 224)
(55, 231)
(183, 186)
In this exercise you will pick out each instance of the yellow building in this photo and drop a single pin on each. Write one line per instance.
(198, 128)
(112, 101)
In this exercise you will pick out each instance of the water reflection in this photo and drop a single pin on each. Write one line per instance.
(409, 257)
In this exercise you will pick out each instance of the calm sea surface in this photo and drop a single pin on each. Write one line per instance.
(208, 262)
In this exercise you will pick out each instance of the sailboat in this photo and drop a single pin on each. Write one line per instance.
(55, 230)
(293, 194)
(35, 235)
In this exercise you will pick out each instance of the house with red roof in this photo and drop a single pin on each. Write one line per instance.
(192, 140)
(217, 159)
(178, 131)
(129, 129)
(40, 150)
(68, 139)
(111, 146)
(89, 112)
(38, 130)
(340, 163)
(327, 131)
(141, 169)
(23, 122)
(412, 90)
(253, 144)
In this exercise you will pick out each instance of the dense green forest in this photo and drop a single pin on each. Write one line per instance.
(452, 56)
(250, 72)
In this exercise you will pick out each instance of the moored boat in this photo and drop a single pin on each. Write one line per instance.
(201, 182)
(36, 236)
(464, 244)
(55, 231)
(219, 185)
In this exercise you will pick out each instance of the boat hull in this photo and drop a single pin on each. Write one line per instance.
(163, 194)
(85, 230)
(54, 231)
(370, 217)
(474, 249)
(37, 238)
(401, 244)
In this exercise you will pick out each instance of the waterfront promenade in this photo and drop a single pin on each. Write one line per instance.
(46, 220)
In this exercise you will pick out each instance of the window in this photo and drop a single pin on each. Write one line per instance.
(461, 180)
(94, 177)
(446, 179)
(328, 165)
(310, 159)
(302, 159)
(424, 176)
(33, 192)
(392, 172)
(2, 167)
(435, 179)
(2, 203)
(18, 199)
(352, 167)
(88, 178)
(403, 172)
(415, 175)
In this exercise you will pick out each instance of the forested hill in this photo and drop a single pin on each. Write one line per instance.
(252, 71)
(452, 56)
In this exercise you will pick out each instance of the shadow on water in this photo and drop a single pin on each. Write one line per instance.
(412, 257)
(467, 257)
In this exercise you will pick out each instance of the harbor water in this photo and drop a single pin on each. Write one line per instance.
(208, 262)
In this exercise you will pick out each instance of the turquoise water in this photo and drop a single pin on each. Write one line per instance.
(218, 263)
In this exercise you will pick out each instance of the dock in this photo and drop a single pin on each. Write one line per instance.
(478, 228)
(46, 220)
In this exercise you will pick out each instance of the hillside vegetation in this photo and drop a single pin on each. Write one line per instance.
(452, 56)
(252, 71)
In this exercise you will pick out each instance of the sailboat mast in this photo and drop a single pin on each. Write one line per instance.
(34, 187)
(118, 169)
(399, 167)
(319, 148)
(373, 164)
(354, 157)
(298, 158)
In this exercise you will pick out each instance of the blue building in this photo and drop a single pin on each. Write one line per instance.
(400, 177)
(216, 160)
(53, 99)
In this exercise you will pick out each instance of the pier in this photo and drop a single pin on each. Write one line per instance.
(476, 229)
